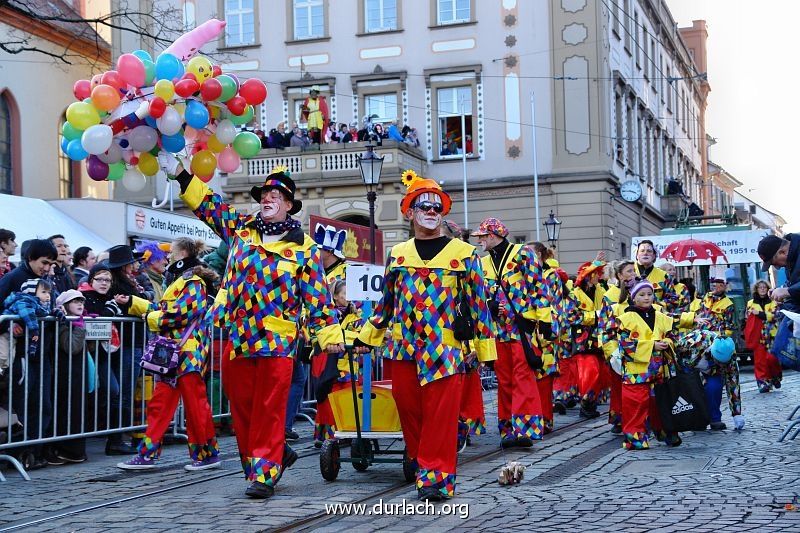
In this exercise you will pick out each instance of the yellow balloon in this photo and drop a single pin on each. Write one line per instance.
(201, 67)
(164, 89)
(215, 111)
(214, 145)
(82, 115)
(148, 164)
(203, 163)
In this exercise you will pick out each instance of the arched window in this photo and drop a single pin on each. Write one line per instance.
(66, 168)
(6, 175)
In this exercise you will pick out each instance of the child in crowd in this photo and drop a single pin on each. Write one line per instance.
(31, 302)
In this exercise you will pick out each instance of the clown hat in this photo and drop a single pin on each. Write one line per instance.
(417, 185)
(278, 178)
(586, 269)
(330, 239)
(150, 251)
(491, 226)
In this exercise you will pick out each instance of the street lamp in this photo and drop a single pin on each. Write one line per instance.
(552, 225)
(370, 166)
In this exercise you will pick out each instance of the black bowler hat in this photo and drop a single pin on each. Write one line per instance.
(279, 179)
(119, 256)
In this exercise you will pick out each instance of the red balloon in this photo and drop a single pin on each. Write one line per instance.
(186, 87)
(82, 90)
(199, 146)
(237, 105)
(211, 89)
(117, 126)
(97, 79)
(206, 179)
(189, 76)
(134, 160)
(113, 79)
(157, 107)
(216, 70)
(254, 91)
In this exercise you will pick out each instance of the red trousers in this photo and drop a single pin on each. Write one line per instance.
(519, 408)
(429, 418)
(639, 415)
(565, 386)
(324, 423)
(545, 387)
(258, 390)
(471, 413)
(589, 376)
(199, 424)
(615, 409)
(766, 366)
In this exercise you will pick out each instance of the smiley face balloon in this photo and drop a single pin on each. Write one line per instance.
(201, 68)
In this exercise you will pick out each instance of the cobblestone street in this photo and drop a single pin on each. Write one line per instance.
(578, 479)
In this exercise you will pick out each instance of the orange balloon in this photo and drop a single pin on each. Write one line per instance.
(105, 97)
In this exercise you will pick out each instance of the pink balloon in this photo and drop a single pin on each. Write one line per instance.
(131, 70)
(228, 160)
(187, 45)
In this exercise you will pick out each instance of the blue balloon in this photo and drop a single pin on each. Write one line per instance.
(75, 150)
(173, 143)
(150, 121)
(64, 145)
(168, 67)
(196, 114)
(141, 54)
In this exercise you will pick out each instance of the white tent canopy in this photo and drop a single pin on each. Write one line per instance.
(31, 218)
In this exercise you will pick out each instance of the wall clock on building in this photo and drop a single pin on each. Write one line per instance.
(631, 190)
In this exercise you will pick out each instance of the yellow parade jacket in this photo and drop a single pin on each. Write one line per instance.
(640, 362)
(420, 299)
(267, 286)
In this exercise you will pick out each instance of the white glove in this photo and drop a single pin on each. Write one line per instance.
(169, 163)
(738, 422)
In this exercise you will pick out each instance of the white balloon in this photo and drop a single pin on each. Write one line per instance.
(133, 180)
(142, 138)
(112, 155)
(96, 139)
(226, 131)
(170, 122)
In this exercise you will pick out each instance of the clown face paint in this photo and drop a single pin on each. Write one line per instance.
(429, 219)
(273, 206)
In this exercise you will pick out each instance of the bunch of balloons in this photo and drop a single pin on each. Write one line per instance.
(180, 102)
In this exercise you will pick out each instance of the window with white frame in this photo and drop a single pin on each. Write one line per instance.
(452, 11)
(382, 105)
(309, 19)
(189, 15)
(66, 176)
(452, 102)
(6, 177)
(380, 15)
(240, 29)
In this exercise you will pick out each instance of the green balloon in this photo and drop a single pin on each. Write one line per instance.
(149, 72)
(244, 118)
(228, 87)
(116, 170)
(70, 132)
(247, 144)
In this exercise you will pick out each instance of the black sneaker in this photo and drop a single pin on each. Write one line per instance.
(776, 383)
(260, 491)
(559, 407)
(523, 442)
(718, 426)
(429, 494)
(616, 429)
(292, 436)
(53, 459)
(589, 412)
(70, 458)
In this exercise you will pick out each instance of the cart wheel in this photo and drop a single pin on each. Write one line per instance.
(409, 468)
(329, 460)
(355, 453)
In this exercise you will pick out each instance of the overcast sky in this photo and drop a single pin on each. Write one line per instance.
(753, 111)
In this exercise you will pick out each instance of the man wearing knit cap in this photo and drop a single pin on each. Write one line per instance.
(783, 252)
(517, 299)
(274, 277)
(430, 280)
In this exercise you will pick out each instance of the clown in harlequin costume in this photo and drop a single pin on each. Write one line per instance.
(471, 416)
(333, 372)
(683, 296)
(663, 284)
(274, 276)
(181, 314)
(512, 272)
(587, 295)
(716, 313)
(427, 278)
(761, 326)
(565, 385)
(645, 339)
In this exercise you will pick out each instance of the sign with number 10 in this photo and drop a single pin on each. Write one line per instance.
(364, 283)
